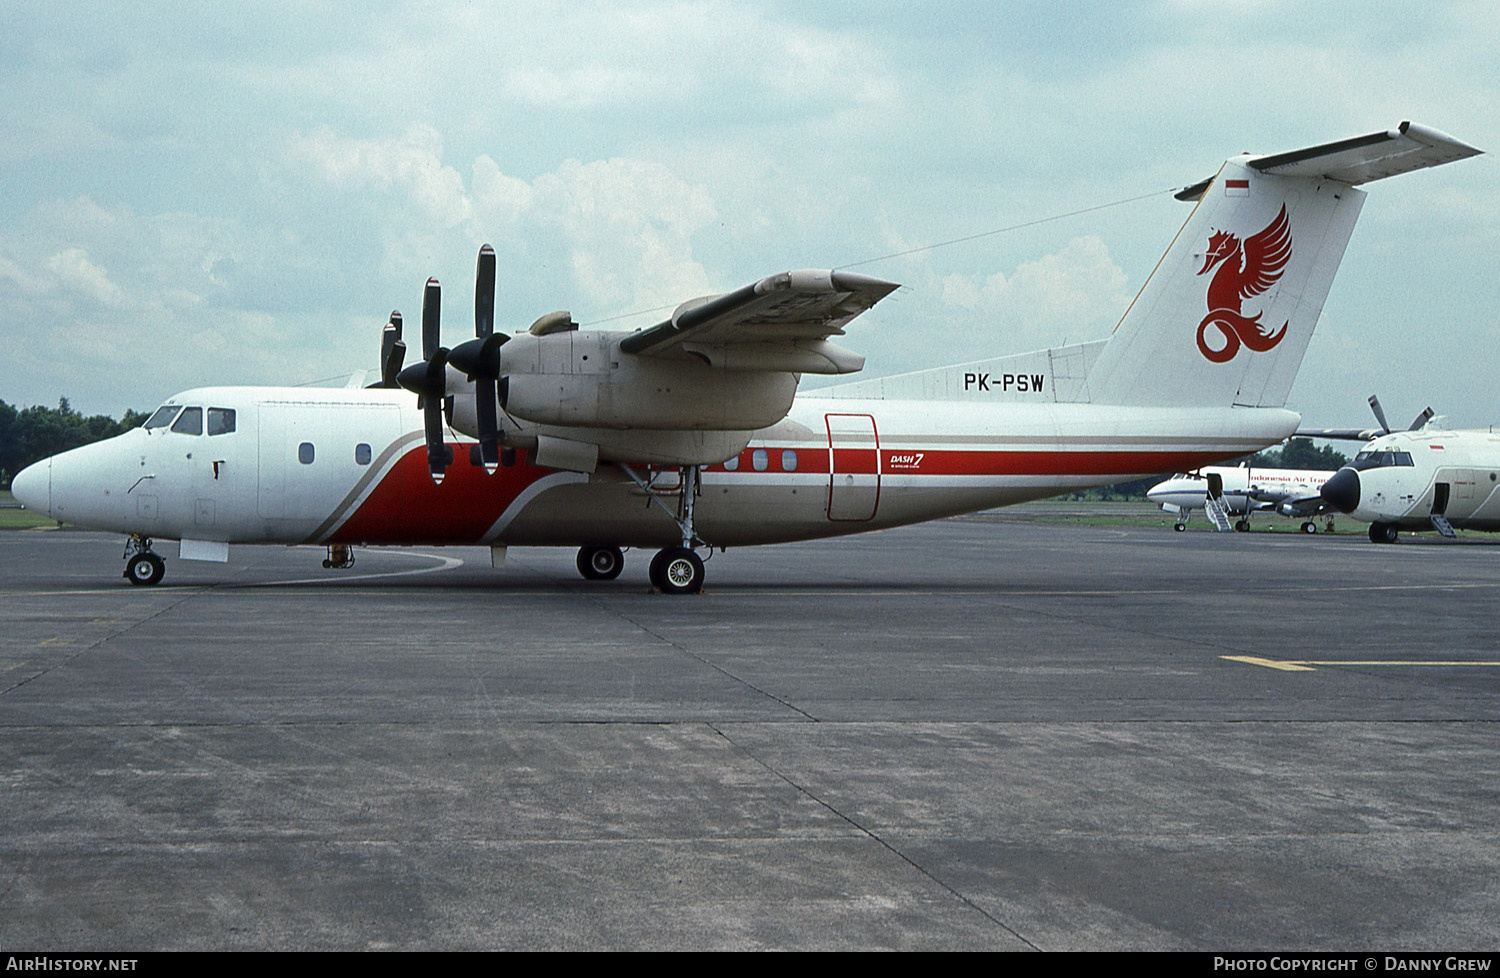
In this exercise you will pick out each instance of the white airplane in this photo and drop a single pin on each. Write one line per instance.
(1424, 478)
(1242, 490)
(688, 435)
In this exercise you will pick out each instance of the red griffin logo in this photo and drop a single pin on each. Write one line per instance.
(1247, 271)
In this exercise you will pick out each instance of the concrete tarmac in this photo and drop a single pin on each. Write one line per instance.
(974, 734)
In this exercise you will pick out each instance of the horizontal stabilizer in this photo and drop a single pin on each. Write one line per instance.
(1361, 159)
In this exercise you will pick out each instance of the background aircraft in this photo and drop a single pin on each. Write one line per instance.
(689, 436)
(1424, 478)
(1222, 491)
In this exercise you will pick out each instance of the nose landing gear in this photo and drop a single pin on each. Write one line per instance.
(142, 566)
(340, 557)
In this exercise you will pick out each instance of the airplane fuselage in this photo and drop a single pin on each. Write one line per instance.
(1246, 488)
(1405, 478)
(349, 466)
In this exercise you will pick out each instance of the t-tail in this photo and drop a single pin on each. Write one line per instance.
(1226, 316)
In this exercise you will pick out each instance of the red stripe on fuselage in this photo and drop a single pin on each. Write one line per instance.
(909, 461)
(407, 506)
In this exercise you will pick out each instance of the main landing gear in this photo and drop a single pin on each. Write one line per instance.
(142, 566)
(600, 563)
(674, 570)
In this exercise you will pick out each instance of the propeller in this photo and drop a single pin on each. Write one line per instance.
(1385, 428)
(479, 360)
(429, 381)
(392, 352)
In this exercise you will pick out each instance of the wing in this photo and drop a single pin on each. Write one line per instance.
(1306, 505)
(1266, 254)
(780, 323)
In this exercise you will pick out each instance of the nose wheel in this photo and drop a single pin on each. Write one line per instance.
(143, 568)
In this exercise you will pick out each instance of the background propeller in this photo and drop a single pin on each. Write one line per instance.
(392, 352)
(1385, 428)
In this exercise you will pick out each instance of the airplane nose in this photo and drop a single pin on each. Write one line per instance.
(1342, 490)
(33, 486)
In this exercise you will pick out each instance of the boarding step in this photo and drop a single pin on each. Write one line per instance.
(1214, 509)
(1443, 526)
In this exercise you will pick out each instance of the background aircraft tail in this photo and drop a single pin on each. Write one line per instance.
(1227, 314)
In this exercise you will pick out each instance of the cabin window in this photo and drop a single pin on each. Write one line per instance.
(361, 454)
(759, 460)
(220, 421)
(788, 461)
(305, 453)
(189, 422)
(1379, 460)
(163, 416)
(732, 464)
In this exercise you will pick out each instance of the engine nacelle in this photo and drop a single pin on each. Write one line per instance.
(582, 379)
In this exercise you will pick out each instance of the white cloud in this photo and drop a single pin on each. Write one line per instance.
(411, 164)
(75, 272)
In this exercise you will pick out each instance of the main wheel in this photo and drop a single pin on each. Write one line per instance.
(145, 569)
(600, 563)
(677, 570)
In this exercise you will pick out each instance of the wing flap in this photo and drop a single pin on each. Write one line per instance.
(782, 319)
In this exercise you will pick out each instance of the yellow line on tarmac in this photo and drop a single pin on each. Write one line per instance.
(1307, 665)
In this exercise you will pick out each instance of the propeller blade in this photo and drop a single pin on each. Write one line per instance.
(485, 404)
(439, 455)
(432, 311)
(1422, 419)
(1379, 415)
(390, 367)
(429, 380)
(484, 293)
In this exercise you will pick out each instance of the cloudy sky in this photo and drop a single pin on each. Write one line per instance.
(240, 193)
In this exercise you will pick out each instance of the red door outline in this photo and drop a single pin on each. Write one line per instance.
(853, 467)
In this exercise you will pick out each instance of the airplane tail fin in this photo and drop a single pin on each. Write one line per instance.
(1226, 316)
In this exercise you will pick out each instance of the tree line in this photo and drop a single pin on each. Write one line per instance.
(1296, 453)
(30, 434)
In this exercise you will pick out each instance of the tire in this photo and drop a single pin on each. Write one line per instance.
(1309, 527)
(1383, 533)
(1179, 527)
(145, 570)
(1242, 526)
(677, 570)
(600, 563)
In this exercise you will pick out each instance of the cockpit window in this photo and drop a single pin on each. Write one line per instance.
(190, 422)
(220, 421)
(163, 416)
(1379, 460)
